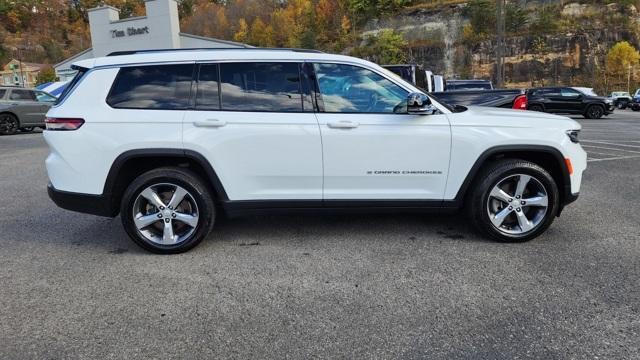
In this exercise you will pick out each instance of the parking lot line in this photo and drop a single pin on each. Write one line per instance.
(610, 143)
(615, 158)
(609, 148)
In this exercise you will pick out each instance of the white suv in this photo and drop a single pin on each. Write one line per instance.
(170, 139)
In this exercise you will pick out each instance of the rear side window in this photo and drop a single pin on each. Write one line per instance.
(2, 92)
(165, 87)
(269, 87)
(22, 95)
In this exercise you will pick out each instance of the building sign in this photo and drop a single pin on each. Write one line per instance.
(131, 31)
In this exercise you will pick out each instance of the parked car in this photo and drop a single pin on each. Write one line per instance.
(621, 99)
(22, 109)
(566, 100)
(505, 98)
(171, 139)
(635, 101)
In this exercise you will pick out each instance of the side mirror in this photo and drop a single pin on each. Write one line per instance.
(419, 104)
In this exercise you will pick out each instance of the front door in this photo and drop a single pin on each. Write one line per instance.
(372, 149)
(255, 125)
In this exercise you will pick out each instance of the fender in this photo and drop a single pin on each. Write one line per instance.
(565, 192)
(112, 177)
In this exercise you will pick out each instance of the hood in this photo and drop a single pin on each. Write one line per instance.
(499, 117)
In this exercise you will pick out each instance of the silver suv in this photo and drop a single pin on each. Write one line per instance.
(23, 109)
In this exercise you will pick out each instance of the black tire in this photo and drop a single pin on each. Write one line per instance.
(478, 206)
(536, 108)
(27, 129)
(594, 112)
(9, 124)
(198, 192)
(621, 105)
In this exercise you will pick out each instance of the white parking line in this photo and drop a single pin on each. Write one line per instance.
(608, 148)
(610, 143)
(615, 158)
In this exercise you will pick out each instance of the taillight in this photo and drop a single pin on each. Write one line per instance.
(63, 124)
(520, 102)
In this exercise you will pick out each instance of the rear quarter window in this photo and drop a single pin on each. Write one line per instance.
(165, 87)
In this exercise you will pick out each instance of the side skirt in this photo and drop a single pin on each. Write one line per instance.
(255, 207)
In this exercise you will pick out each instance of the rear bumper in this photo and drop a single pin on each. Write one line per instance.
(84, 203)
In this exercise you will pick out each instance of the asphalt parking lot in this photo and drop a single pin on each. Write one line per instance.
(348, 286)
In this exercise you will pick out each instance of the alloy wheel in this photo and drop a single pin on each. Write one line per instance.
(165, 214)
(517, 204)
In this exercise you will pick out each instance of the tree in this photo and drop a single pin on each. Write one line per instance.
(242, 35)
(620, 60)
(46, 75)
(386, 47)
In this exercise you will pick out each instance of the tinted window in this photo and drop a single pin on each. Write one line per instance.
(22, 95)
(152, 87)
(352, 89)
(2, 92)
(260, 87)
(208, 95)
(551, 92)
(566, 92)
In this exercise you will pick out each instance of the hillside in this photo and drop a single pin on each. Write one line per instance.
(547, 41)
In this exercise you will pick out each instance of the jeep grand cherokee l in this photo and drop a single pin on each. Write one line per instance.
(171, 139)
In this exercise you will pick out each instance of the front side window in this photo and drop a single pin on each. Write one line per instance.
(152, 87)
(566, 92)
(352, 89)
(270, 87)
(22, 95)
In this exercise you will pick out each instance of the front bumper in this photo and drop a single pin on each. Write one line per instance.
(84, 203)
(608, 109)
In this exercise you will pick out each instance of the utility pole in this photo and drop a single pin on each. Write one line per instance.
(499, 43)
(629, 80)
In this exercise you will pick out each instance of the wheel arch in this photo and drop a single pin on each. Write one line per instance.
(130, 164)
(547, 157)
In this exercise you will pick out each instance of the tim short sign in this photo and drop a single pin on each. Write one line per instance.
(131, 31)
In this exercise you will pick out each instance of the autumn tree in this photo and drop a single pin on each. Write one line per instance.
(620, 60)
(46, 75)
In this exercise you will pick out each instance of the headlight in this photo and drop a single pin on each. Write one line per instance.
(573, 135)
(608, 101)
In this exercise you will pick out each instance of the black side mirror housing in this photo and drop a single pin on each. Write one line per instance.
(419, 104)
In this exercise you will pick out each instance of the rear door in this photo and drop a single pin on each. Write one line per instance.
(254, 123)
(26, 106)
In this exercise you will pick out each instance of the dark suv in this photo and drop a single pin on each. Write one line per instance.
(566, 100)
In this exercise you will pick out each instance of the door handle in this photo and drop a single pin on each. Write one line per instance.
(210, 123)
(345, 124)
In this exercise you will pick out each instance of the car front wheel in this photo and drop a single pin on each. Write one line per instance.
(513, 201)
(594, 112)
(167, 210)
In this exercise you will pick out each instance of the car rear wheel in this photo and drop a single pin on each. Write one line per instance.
(8, 124)
(536, 108)
(167, 210)
(594, 112)
(513, 201)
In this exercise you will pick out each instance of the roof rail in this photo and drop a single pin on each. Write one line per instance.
(132, 52)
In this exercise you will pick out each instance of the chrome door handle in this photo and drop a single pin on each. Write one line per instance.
(345, 124)
(210, 123)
